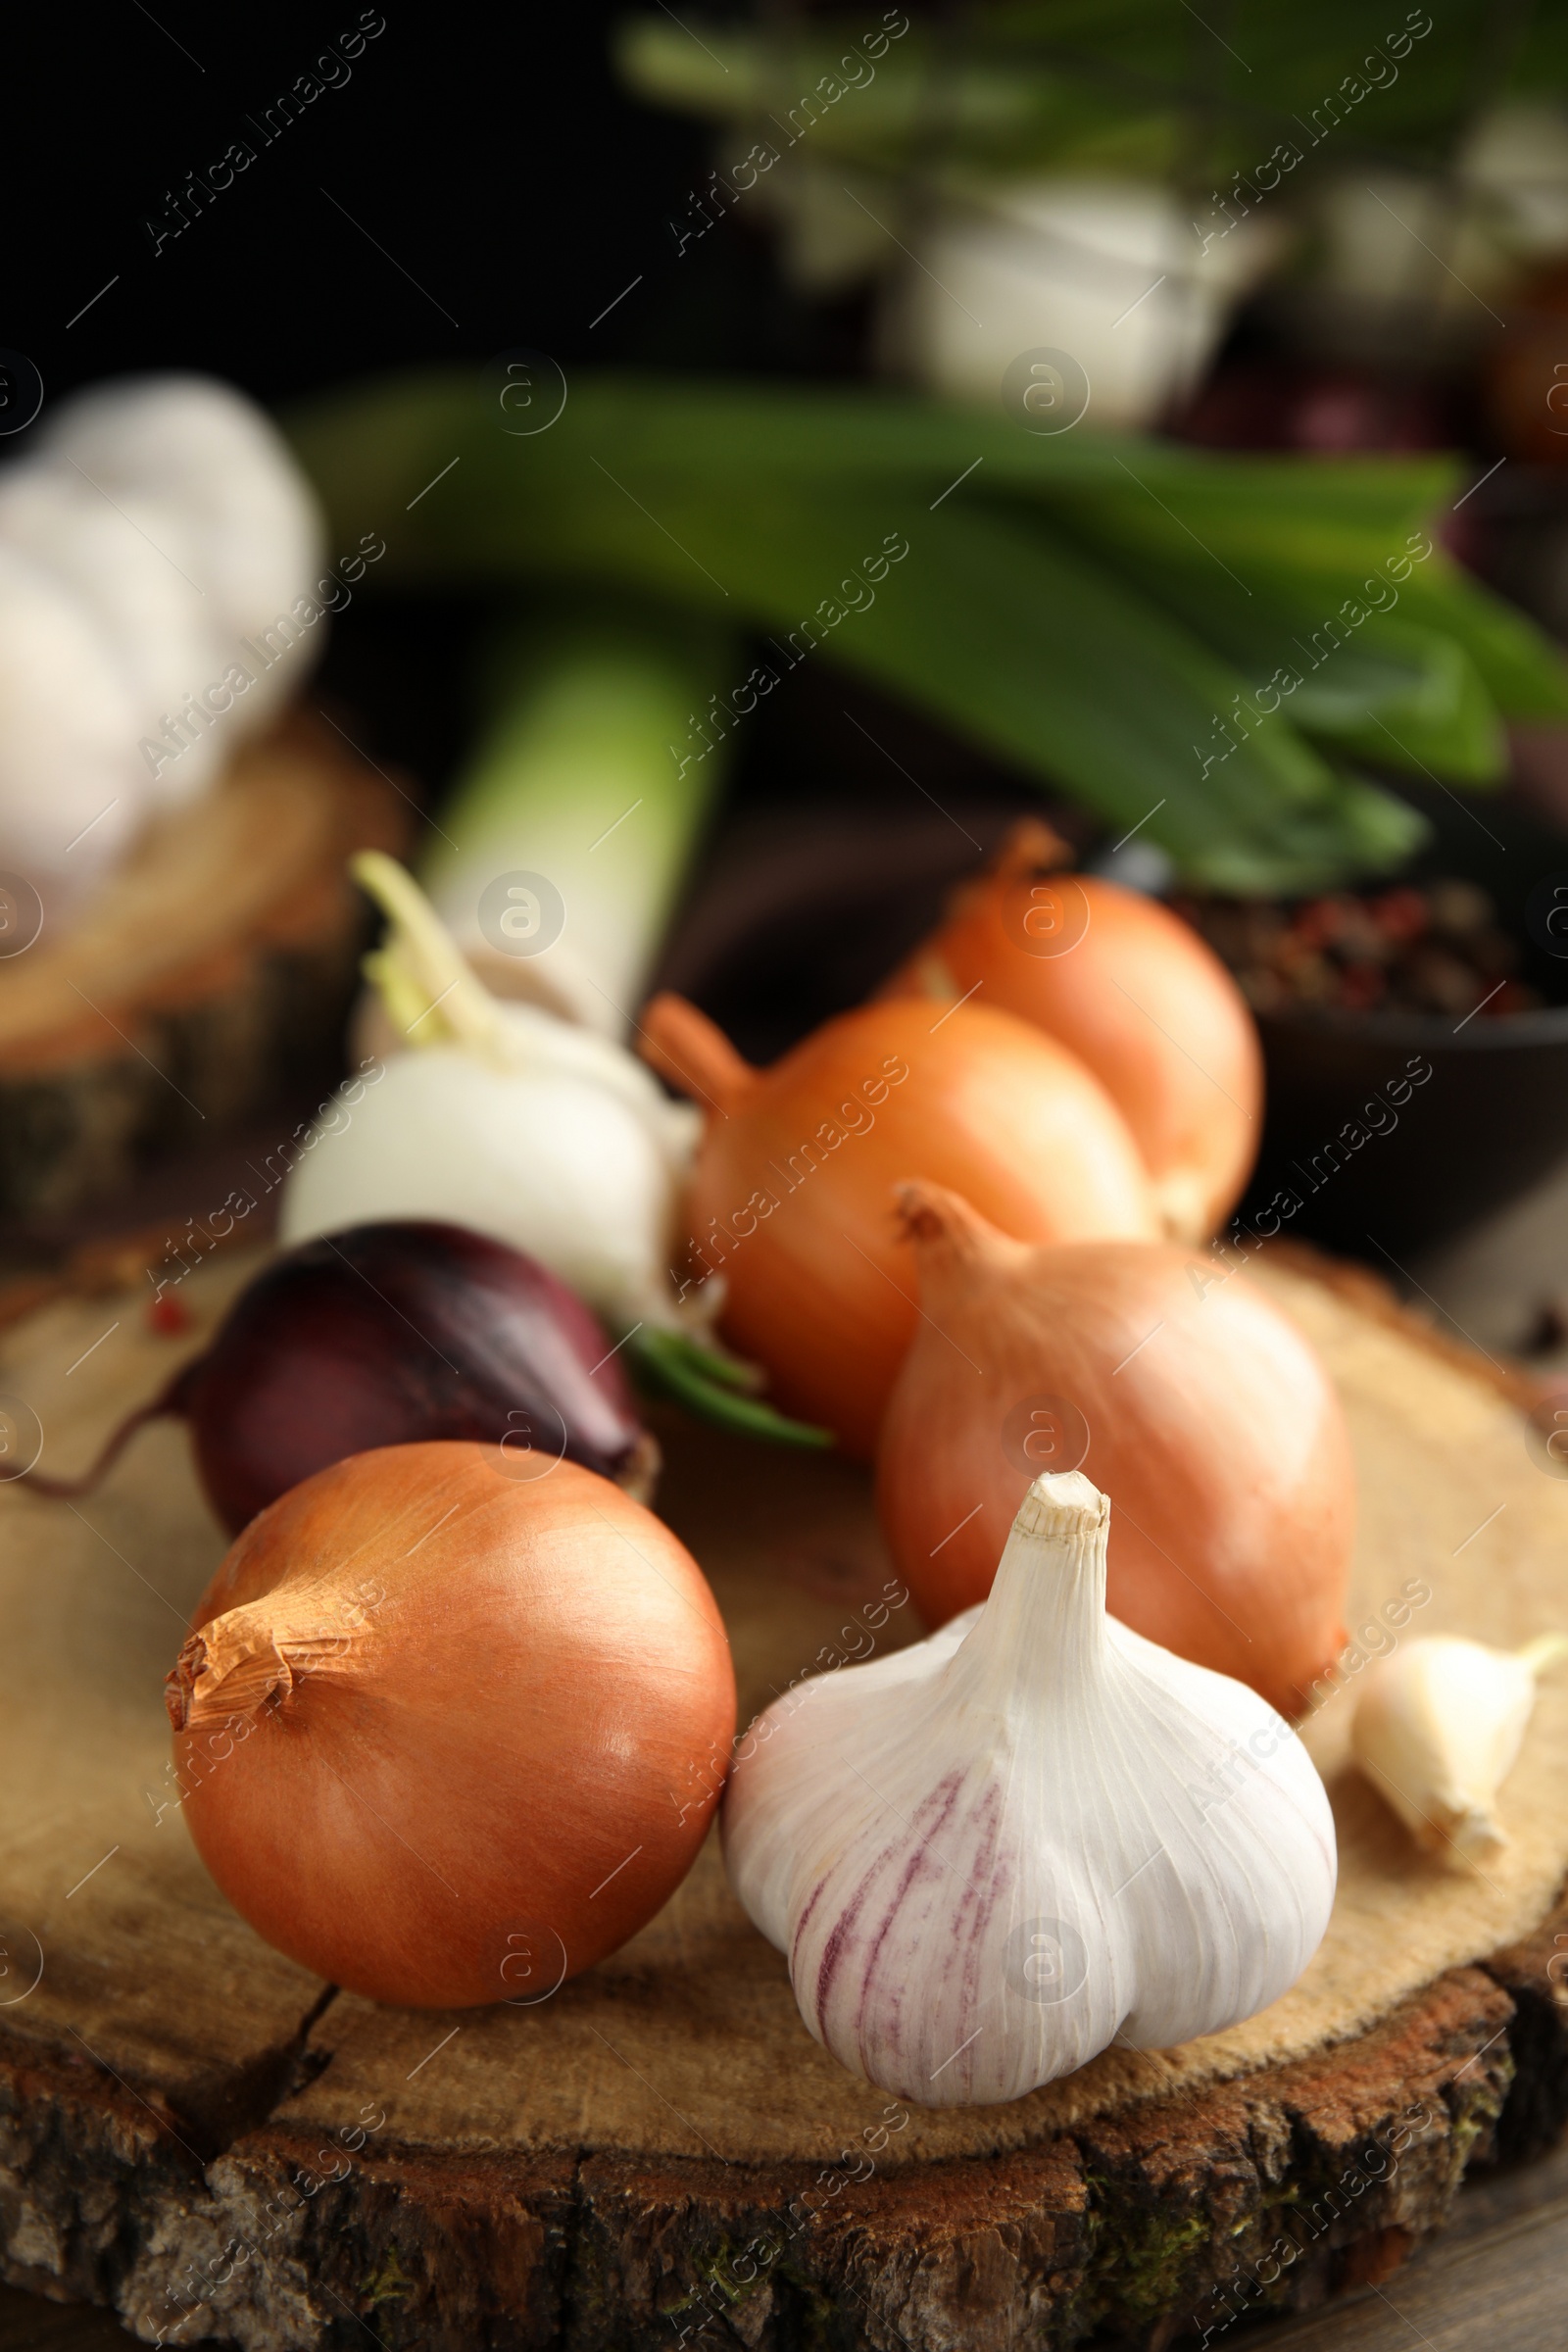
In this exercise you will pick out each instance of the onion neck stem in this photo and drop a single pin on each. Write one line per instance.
(693, 1052)
(255, 1655)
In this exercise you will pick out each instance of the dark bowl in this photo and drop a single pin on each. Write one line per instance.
(1383, 1175)
(1383, 1163)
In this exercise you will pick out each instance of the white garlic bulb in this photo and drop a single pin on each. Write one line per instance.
(993, 1854)
(1438, 1727)
(131, 566)
(1110, 270)
(152, 525)
(247, 515)
(68, 712)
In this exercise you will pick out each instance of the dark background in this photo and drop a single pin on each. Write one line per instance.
(492, 159)
(481, 182)
(489, 152)
(505, 192)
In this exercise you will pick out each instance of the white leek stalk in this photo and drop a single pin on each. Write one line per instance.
(575, 779)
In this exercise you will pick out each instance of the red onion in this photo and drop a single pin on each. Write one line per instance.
(390, 1334)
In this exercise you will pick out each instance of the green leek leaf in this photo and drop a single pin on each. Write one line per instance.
(1093, 610)
(671, 1365)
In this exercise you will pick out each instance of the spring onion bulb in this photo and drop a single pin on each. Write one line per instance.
(1110, 262)
(526, 1128)
(500, 1117)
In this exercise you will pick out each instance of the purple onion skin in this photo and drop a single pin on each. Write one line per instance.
(384, 1335)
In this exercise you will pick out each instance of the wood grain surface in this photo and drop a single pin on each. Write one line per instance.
(210, 976)
(205, 2137)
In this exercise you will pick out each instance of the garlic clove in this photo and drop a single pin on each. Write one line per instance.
(997, 1852)
(1438, 1727)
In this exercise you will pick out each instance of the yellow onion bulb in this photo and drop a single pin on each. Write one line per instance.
(1128, 986)
(1177, 1387)
(791, 1198)
(450, 1722)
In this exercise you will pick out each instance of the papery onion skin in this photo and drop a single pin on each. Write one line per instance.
(1204, 1415)
(1143, 1001)
(819, 1286)
(487, 1758)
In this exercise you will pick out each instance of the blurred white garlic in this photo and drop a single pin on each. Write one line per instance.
(1406, 260)
(151, 527)
(1111, 271)
(67, 715)
(241, 502)
(1396, 240)
(993, 1854)
(129, 567)
(1438, 1727)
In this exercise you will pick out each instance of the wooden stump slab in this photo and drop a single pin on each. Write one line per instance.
(200, 2134)
(207, 979)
